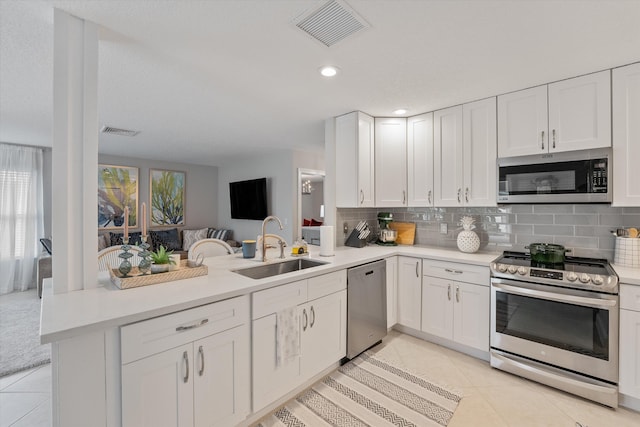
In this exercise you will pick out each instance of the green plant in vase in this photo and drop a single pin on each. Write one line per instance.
(161, 260)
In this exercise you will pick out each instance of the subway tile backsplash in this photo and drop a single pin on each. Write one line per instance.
(585, 229)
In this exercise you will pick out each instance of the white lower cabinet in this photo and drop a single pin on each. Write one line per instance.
(323, 329)
(189, 368)
(630, 340)
(409, 291)
(455, 303)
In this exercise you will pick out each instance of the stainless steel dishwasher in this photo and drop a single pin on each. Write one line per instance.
(366, 307)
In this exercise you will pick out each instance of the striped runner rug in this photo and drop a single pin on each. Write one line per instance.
(368, 391)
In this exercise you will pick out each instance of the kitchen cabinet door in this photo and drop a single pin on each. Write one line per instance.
(580, 112)
(626, 135)
(270, 381)
(630, 353)
(390, 162)
(323, 333)
(523, 122)
(355, 181)
(392, 291)
(221, 378)
(437, 306)
(448, 166)
(409, 291)
(157, 391)
(479, 152)
(471, 315)
(420, 160)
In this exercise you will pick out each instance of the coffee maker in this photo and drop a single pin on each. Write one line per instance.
(386, 236)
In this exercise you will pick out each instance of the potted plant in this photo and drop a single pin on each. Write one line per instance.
(161, 260)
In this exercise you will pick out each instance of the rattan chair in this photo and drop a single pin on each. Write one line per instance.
(209, 248)
(108, 257)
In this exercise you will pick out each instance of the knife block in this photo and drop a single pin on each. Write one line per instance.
(354, 241)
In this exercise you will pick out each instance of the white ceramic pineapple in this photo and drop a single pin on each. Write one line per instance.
(468, 240)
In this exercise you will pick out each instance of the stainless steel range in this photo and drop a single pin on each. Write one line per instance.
(557, 324)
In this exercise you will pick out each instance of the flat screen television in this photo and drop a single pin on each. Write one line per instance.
(249, 199)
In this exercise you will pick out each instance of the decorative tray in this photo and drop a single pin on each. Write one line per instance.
(134, 279)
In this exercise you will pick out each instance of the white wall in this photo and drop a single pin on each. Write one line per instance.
(201, 197)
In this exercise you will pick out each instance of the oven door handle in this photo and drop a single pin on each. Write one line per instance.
(571, 299)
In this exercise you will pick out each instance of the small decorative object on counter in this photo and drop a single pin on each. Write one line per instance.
(468, 241)
(161, 260)
(125, 265)
(145, 262)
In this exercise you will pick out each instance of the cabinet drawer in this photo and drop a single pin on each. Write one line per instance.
(327, 284)
(162, 333)
(630, 297)
(460, 272)
(275, 299)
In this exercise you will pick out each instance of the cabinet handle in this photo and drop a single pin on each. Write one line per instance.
(449, 291)
(429, 197)
(417, 272)
(185, 358)
(306, 320)
(448, 270)
(553, 134)
(193, 326)
(361, 197)
(466, 194)
(457, 293)
(313, 317)
(542, 140)
(404, 197)
(201, 354)
(459, 192)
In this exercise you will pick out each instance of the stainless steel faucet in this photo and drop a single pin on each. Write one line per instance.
(264, 237)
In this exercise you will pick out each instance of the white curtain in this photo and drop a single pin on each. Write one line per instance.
(21, 216)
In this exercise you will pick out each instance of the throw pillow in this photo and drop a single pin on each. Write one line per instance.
(221, 234)
(135, 238)
(189, 237)
(167, 238)
(306, 222)
(315, 223)
(47, 245)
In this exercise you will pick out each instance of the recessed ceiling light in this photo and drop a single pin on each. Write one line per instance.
(400, 111)
(329, 71)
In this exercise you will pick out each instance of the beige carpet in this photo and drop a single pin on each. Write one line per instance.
(20, 346)
(368, 392)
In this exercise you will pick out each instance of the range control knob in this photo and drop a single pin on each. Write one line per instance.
(512, 269)
(522, 270)
(502, 268)
(597, 280)
(584, 278)
(571, 276)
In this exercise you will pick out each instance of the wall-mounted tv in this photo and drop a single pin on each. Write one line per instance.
(249, 199)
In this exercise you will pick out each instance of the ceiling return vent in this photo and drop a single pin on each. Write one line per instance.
(331, 23)
(120, 132)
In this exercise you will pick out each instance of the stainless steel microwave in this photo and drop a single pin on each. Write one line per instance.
(568, 177)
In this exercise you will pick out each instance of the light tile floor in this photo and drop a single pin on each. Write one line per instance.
(491, 397)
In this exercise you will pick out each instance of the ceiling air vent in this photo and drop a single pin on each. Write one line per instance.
(121, 132)
(332, 22)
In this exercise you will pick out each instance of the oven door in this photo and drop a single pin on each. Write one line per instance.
(570, 329)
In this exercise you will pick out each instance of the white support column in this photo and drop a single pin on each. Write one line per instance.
(75, 153)
(330, 176)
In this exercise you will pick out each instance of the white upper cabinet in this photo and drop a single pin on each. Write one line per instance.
(626, 135)
(465, 155)
(479, 141)
(354, 160)
(390, 162)
(447, 163)
(420, 160)
(573, 114)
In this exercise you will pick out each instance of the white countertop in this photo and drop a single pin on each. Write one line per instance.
(75, 313)
(628, 275)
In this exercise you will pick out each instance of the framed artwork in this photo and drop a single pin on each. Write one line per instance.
(167, 197)
(117, 188)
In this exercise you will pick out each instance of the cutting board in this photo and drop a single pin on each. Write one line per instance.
(406, 232)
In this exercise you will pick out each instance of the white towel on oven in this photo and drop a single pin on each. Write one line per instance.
(287, 336)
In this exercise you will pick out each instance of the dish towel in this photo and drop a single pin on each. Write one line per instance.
(287, 335)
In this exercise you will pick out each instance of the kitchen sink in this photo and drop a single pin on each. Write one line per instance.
(268, 270)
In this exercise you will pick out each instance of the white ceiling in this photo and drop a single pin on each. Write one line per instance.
(205, 81)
